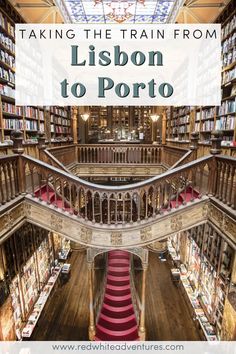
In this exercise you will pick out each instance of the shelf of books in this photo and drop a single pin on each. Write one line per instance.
(29, 120)
(207, 119)
(205, 275)
(60, 123)
(98, 123)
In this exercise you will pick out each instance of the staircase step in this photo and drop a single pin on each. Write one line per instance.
(117, 320)
(119, 292)
(118, 278)
(118, 288)
(118, 309)
(118, 269)
(118, 262)
(120, 314)
(106, 334)
(117, 326)
(118, 297)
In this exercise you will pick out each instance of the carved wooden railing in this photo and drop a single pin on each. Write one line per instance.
(134, 293)
(99, 297)
(173, 156)
(143, 201)
(187, 157)
(46, 156)
(65, 155)
(119, 154)
(9, 178)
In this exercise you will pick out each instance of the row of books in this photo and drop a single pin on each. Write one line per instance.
(208, 125)
(228, 106)
(59, 120)
(60, 111)
(208, 113)
(7, 91)
(7, 42)
(13, 124)
(11, 108)
(226, 123)
(229, 27)
(228, 75)
(181, 111)
(7, 75)
(7, 25)
(184, 129)
(59, 129)
(229, 43)
(31, 125)
(7, 58)
(33, 112)
(184, 119)
(229, 57)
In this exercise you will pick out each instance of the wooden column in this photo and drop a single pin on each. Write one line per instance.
(194, 144)
(91, 309)
(74, 119)
(142, 329)
(163, 133)
(17, 137)
(41, 145)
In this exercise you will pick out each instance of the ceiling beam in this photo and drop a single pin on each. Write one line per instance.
(46, 14)
(210, 5)
(31, 5)
(193, 15)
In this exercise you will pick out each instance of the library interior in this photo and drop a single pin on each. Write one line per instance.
(117, 223)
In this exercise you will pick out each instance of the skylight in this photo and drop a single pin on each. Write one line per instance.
(119, 11)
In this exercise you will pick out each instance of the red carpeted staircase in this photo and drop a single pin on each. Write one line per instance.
(117, 321)
(184, 197)
(48, 195)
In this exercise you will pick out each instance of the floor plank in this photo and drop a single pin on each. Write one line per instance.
(66, 315)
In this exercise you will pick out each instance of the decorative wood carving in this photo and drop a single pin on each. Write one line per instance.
(176, 223)
(146, 234)
(116, 238)
(56, 223)
(85, 235)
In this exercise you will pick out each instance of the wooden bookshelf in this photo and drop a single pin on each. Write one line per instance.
(29, 120)
(206, 119)
(119, 123)
(208, 259)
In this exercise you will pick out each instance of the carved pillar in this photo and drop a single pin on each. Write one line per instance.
(215, 150)
(142, 329)
(17, 137)
(74, 118)
(164, 127)
(194, 144)
(41, 144)
(216, 142)
(91, 310)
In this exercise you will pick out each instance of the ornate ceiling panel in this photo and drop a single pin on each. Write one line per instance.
(119, 11)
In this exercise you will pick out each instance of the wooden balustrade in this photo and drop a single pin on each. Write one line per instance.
(121, 154)
(98, 204)
(122, 204)
(224, 182)
(9, 178)
(171, 155)
(66, 155)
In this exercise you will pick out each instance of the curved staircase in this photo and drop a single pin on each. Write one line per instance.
(117, 320)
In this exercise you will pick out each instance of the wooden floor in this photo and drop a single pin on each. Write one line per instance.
(66, 314)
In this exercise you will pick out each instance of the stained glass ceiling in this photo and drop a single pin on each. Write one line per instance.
(119, 11)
